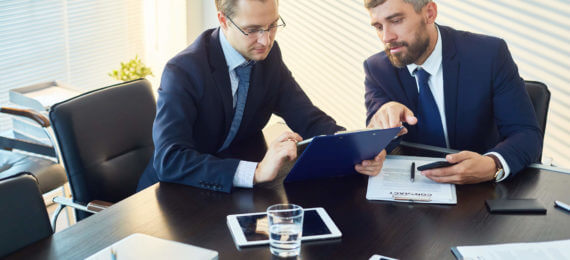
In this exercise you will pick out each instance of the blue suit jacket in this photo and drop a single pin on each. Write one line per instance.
(486, 105)
(194, 115)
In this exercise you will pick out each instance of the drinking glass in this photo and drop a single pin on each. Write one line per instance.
(285, 229)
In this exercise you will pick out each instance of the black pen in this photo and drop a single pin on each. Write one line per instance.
(413, 172)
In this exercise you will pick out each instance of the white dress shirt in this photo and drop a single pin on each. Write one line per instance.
(433, 65)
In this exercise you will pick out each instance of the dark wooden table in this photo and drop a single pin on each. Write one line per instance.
(402, 230)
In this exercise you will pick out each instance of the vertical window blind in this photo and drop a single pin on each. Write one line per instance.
(326, 42)
(76, 42)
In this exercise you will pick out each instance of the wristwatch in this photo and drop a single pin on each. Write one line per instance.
(499, 168)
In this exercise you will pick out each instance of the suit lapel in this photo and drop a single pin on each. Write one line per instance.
(221, 77)
(409, 88)
(450, 65)
(254, 94)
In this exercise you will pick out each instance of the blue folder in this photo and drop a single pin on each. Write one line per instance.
(336, 155)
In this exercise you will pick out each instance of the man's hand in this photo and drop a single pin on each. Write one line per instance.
(282, 149)
(471, 167)
(392, 114)
(371, 167)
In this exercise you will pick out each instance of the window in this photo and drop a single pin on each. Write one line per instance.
(76, 42)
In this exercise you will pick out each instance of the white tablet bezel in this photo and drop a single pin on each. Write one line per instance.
(240, 240)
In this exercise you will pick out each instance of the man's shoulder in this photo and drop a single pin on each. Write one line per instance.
(470, 42)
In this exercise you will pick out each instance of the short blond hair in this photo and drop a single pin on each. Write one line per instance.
(227, 7)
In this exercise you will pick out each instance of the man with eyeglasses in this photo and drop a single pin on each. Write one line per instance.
(217, 95)
(454, 89)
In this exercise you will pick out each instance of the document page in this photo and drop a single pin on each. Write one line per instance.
(537, 250)
(141, 246)
(394, 183)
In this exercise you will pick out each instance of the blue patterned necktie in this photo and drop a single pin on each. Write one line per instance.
(429, 121)
(243, 72)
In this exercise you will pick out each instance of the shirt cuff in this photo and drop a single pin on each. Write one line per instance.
(506, 168)
(244, 174)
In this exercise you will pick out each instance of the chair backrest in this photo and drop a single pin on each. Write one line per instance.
(540, 98)
(23, 215)
(105, 140)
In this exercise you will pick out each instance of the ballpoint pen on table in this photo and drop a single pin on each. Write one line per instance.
(562, 205)
(113, 254)
(413, 172)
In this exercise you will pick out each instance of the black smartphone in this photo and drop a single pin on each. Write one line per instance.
(434, 165)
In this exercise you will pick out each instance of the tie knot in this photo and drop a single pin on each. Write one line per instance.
(422, 74)
(423, 77)
(243, 71)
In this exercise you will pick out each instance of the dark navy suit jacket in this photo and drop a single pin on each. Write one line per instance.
(194, 114)
(486, 105)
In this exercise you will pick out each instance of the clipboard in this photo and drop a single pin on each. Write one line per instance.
(336, 155)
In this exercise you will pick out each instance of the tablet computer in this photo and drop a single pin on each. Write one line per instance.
(336, 155)
(252, 229)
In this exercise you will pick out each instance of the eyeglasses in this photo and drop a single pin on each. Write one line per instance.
(254, 33)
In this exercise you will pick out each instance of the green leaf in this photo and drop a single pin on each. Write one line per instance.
(131, 70)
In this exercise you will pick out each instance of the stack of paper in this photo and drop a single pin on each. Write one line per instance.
(140, 246)
(521, 251)
(394, 184)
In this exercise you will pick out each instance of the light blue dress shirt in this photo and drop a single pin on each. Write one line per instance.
(245, 171)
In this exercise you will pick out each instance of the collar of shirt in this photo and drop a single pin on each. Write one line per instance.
(233, 58)
(433, 62)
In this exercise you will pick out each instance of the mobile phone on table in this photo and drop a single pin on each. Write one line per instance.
(435, 165)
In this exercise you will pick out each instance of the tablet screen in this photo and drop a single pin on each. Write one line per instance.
(255, 227)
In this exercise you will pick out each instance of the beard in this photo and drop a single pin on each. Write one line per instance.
(414, 51)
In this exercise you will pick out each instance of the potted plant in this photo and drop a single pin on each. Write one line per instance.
(131, 70)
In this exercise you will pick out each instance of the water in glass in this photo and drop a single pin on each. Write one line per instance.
(285, 229)
(285, 239)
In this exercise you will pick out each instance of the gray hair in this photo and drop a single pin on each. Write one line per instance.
(418, 4)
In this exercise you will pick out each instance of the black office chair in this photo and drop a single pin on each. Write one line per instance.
(41, 160)
(23, 215)
(105, 140)
(540, 98)
(50, 174)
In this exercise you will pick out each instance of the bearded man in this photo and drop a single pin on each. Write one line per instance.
(451, 89)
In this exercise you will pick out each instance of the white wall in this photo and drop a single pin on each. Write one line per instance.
(172, 25)
(166, 33)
